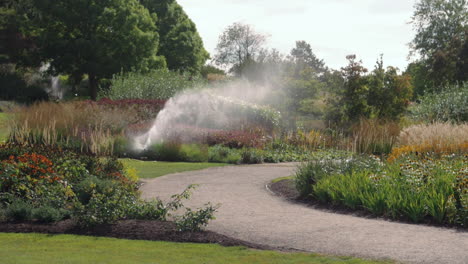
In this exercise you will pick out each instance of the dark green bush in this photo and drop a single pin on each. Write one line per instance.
(19, 210)
(13, 87)
(167, 151)
(48, 214)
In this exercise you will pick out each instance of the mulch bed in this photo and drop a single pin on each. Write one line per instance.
(130, 229)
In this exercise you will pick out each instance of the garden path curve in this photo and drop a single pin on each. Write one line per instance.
(250, 212)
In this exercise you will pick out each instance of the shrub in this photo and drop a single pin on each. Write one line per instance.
(252, 156)
(159, 84)
(222, 154)
(93, 185)
(447, 105)
(194, 221)
(147, 210)
(47, 214)
(194, 152)
(19, 210)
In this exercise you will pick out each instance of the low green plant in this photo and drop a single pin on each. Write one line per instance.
(48, 214)
(19, 210)
(194, 221)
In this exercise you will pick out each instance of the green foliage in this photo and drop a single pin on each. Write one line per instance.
(448, 105)
(194, 221)
(160, 84)
(47, 214)
(19, 210)
(95, 37)
(413, 188)
(383, 94)
(252, 156)
(389, 93)
(14, 87)
(238, 47)
(147, 210)
(180, 43)
(441, 40)
(220, 153)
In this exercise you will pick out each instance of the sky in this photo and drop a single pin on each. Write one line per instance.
(334, 28)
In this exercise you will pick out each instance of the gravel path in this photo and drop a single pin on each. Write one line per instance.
(250, 212)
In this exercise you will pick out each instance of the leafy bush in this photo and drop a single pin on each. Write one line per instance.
(194, 220)
(160, 84)
(447, 105)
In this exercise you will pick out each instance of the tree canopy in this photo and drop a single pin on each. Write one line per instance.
(442, 42)
(180, 42)
(238, 46)
(99, 38)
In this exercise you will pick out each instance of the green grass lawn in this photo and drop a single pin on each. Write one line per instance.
(40, 248)
(3, 127)
(153, 169)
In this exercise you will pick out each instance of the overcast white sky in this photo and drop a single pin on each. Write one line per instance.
(334, 28)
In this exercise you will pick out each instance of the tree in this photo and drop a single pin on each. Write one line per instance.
(441, 40)
(180, 42)
(238, 46)
(95, 37)
(303, 56)
(389, 93)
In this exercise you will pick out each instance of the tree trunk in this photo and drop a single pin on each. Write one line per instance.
(93, 86)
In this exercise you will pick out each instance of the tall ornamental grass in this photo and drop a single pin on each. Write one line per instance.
(80, 126)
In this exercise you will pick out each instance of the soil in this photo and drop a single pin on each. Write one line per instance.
(130, 229)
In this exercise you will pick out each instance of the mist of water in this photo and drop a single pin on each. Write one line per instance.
(203, 108)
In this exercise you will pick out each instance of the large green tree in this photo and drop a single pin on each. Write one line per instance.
(389, 92)
(180, 42)
(95, 37)
(441, 41)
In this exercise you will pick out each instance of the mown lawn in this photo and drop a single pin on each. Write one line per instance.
(153, 169)
(3, 127)
(40, 248)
